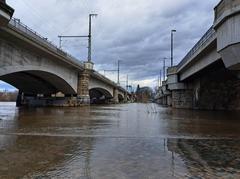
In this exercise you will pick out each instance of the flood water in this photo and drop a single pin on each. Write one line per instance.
(127, 141)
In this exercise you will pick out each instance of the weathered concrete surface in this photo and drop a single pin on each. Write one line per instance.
(227, 25)
(96, 83)
(182, 99)
(25, 69)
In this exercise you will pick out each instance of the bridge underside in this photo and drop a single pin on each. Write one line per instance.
(99, 96)
(214, 88)
(38, 82)
(39, 88)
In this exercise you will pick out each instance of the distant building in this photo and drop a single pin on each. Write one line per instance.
(144, 94)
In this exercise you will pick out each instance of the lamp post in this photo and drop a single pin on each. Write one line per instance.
(172, 32)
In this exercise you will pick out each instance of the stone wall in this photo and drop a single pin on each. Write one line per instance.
(182, 99)
(219, 90)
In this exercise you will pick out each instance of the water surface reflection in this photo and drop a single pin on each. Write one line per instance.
(118, 141)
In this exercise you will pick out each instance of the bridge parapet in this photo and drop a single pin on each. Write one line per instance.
(227, 17)
(17, 25)
(224, 9)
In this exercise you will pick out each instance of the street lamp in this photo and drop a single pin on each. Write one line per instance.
(172, 32)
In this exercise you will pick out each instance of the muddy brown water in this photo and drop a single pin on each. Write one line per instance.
(127, 141)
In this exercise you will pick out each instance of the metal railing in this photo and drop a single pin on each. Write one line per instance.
(201, 43)
(16, 23)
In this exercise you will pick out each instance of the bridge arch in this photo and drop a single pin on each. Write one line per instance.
(35, 80)
(120, 97)
(99, 95)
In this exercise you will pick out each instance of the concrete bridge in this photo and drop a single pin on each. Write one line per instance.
(46, 75)
(208, 77)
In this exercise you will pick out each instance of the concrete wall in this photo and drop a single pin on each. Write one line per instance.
(96, 83)
(182, 99)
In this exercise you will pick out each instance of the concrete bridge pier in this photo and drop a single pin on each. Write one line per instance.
(115, 96)
(19, 99)
(83, 97)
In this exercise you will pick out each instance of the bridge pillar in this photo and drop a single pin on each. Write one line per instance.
(83, 97)
(125, 97)
(19, 99)
(115, 95)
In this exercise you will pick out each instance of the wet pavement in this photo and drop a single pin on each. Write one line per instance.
(127, 141)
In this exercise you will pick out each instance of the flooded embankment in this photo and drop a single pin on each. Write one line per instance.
(136, 141)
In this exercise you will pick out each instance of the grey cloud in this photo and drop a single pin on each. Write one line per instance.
(134, 31)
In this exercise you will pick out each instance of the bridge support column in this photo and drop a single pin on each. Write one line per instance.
(125, 98)
(83, 97)
(19, 99)
(182, 99)
(115, 95)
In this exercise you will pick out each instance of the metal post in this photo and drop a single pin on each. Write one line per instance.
(90, 37)
(60, 41)
(127, 83)
(160, 74)
(164, 69)
(172, 31)
(118, 72)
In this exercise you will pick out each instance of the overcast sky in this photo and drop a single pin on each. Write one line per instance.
(137, 32)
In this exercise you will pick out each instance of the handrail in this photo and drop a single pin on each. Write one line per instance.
(36, 36)
(202, 42)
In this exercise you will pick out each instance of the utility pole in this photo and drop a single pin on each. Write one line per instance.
(172, 31)
(118, 72)
(160, 75)
(89, 36)
(127, 83)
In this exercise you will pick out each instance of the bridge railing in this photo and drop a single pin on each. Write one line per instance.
(42, 40)
(201, 43)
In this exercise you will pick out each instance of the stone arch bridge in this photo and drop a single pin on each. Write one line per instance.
(40, 70)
